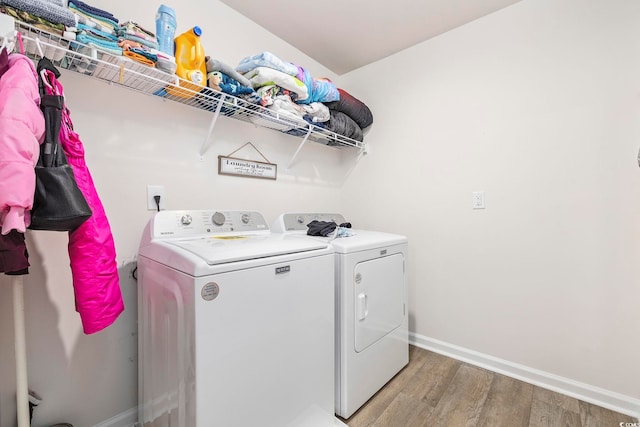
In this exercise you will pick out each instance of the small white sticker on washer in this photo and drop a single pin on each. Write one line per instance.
(210, 291)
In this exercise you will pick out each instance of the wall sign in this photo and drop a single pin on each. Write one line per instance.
(228, 165)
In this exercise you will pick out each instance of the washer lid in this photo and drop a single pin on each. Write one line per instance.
(230, 248)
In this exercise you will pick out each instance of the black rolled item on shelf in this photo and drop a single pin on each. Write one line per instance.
(352, 107)
(342, 124)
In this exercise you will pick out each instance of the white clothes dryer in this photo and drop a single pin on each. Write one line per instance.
(236, 324)
(372, 339)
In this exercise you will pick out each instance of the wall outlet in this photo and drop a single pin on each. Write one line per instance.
(478, 200)
(152, 191)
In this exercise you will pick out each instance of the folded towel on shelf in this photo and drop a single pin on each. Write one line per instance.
(90, 22)
(86, 29)
(140, 40)
(45, 9)
(133, 28)
(266, 59)
(108, 46)
(93, 11)
(128, 46)
(142, 52)
(140, 56)
(95, 18)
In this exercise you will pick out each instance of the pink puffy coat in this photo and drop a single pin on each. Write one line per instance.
(91, 248)
(21, 132)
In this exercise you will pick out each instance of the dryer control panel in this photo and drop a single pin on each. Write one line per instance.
(171, 224)
(299, 221)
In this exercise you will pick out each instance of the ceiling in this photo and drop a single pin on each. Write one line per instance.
(344, 35)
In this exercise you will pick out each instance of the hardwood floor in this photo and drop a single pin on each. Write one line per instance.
(437, 391)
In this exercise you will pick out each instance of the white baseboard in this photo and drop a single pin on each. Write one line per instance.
(595, 395)
(128, 418)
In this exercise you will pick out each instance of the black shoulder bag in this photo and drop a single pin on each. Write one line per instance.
(58, 203)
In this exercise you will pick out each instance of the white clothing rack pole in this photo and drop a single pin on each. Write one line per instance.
(22, 388)
(7, 30)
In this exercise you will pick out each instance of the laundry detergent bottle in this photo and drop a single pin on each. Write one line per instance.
(165, 29)
(190, 64)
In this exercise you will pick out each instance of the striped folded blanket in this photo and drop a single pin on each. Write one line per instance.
(45, 9)
(94, 11)
(31, 19)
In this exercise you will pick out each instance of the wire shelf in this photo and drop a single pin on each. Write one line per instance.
(120, 70)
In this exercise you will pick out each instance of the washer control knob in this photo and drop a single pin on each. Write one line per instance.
(218, 218)
(186, 220)
(245, 218)
(300, 219)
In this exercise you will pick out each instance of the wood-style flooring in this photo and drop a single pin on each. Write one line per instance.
(437, 391)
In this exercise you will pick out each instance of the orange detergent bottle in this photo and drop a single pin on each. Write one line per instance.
(190, 64)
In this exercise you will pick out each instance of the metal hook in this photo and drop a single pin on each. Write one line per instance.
(39, 47)
(45, 80)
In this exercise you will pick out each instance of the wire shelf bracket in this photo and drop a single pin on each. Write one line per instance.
(214, 119)
(295, 155)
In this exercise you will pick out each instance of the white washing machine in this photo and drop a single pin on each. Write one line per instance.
(372, 339)
(236, 324)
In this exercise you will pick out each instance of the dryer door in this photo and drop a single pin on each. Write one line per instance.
(379, 300)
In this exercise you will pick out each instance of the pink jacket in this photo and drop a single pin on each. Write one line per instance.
(91, 247)
(92, 251)
(21, 133)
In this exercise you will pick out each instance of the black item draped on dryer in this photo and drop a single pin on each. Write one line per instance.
(324, 228)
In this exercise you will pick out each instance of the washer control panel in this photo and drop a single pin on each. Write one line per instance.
(167, 224)
(299, 221)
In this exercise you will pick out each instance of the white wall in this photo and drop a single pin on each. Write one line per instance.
(132, 140)
(538, 106)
